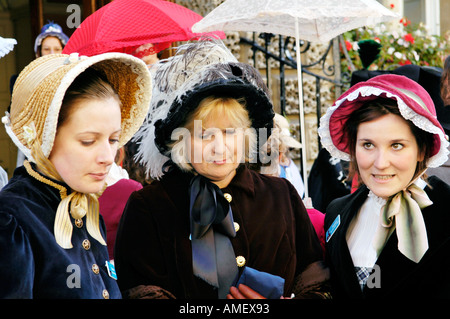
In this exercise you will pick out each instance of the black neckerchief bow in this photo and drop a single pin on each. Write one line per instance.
(211, 219)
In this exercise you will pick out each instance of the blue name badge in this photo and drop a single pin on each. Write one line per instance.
(333, 228)
(111, 270)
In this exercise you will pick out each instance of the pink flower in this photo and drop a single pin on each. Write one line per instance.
(348, 45)
(409, 38)
(405, 22)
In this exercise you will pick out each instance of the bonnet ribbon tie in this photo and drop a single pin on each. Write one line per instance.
(403, 212)
(211, 221)
(80, 205)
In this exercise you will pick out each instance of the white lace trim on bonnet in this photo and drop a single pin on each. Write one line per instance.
(407, 113)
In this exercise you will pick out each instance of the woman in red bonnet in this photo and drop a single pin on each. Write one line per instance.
(389, 238)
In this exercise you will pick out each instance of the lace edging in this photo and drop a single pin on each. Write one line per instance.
(418, 120)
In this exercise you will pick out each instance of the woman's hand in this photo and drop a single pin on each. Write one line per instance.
(243, 292)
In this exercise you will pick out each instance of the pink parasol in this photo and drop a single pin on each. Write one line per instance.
(124, 25)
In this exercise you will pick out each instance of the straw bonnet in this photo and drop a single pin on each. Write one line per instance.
(198, 70)
(51, 29)
(41, 86)
(285, 136)
(414, 103)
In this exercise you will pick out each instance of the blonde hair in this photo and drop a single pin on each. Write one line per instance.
(209, 109)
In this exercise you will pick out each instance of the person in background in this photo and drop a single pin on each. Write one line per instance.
(287, 167)
(69, 125)
(443, 171)
(3, 178)
(327, 180)
(445, 82)
(6, 46)
(119, 187)
(283, 166)
(207, 219)
(147, 53)
(51, 40)
(388, 238)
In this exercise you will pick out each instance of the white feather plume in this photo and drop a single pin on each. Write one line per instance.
(6, 46)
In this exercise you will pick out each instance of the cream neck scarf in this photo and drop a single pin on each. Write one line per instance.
(403, 212)
(76, 204)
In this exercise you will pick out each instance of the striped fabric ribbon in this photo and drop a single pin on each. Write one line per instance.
(403, 211)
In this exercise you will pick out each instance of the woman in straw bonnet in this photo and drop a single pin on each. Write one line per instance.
(390, 238)
(69, 115)
(207, 222)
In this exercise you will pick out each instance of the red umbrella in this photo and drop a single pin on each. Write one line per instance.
(124, 25)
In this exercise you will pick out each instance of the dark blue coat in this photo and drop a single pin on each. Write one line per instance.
(32, 264)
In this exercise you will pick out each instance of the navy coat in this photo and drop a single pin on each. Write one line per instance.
(32, 264)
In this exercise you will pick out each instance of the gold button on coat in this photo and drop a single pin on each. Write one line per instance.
(228, 197)
(79, 223)
(240, 260)
(86, 244)
(236, 227)
(105, 294)
(95, 269)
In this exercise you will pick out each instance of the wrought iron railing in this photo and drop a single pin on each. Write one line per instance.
(285, 56)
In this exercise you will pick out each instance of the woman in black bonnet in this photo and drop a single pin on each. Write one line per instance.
(208, 226)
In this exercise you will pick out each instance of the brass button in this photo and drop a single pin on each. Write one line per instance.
(105, 294)
(236, 227)
(240, 260)
(86, 244)
(228, 197)
(79, 222)
(95, 269)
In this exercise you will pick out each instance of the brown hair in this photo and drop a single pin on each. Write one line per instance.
(373, 110)
(90, 84)
(39, 48)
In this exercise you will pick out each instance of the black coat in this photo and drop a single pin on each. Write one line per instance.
(32, 264)
(399, 276)
(153, 246)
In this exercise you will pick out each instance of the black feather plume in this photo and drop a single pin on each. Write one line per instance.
(369, 51)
